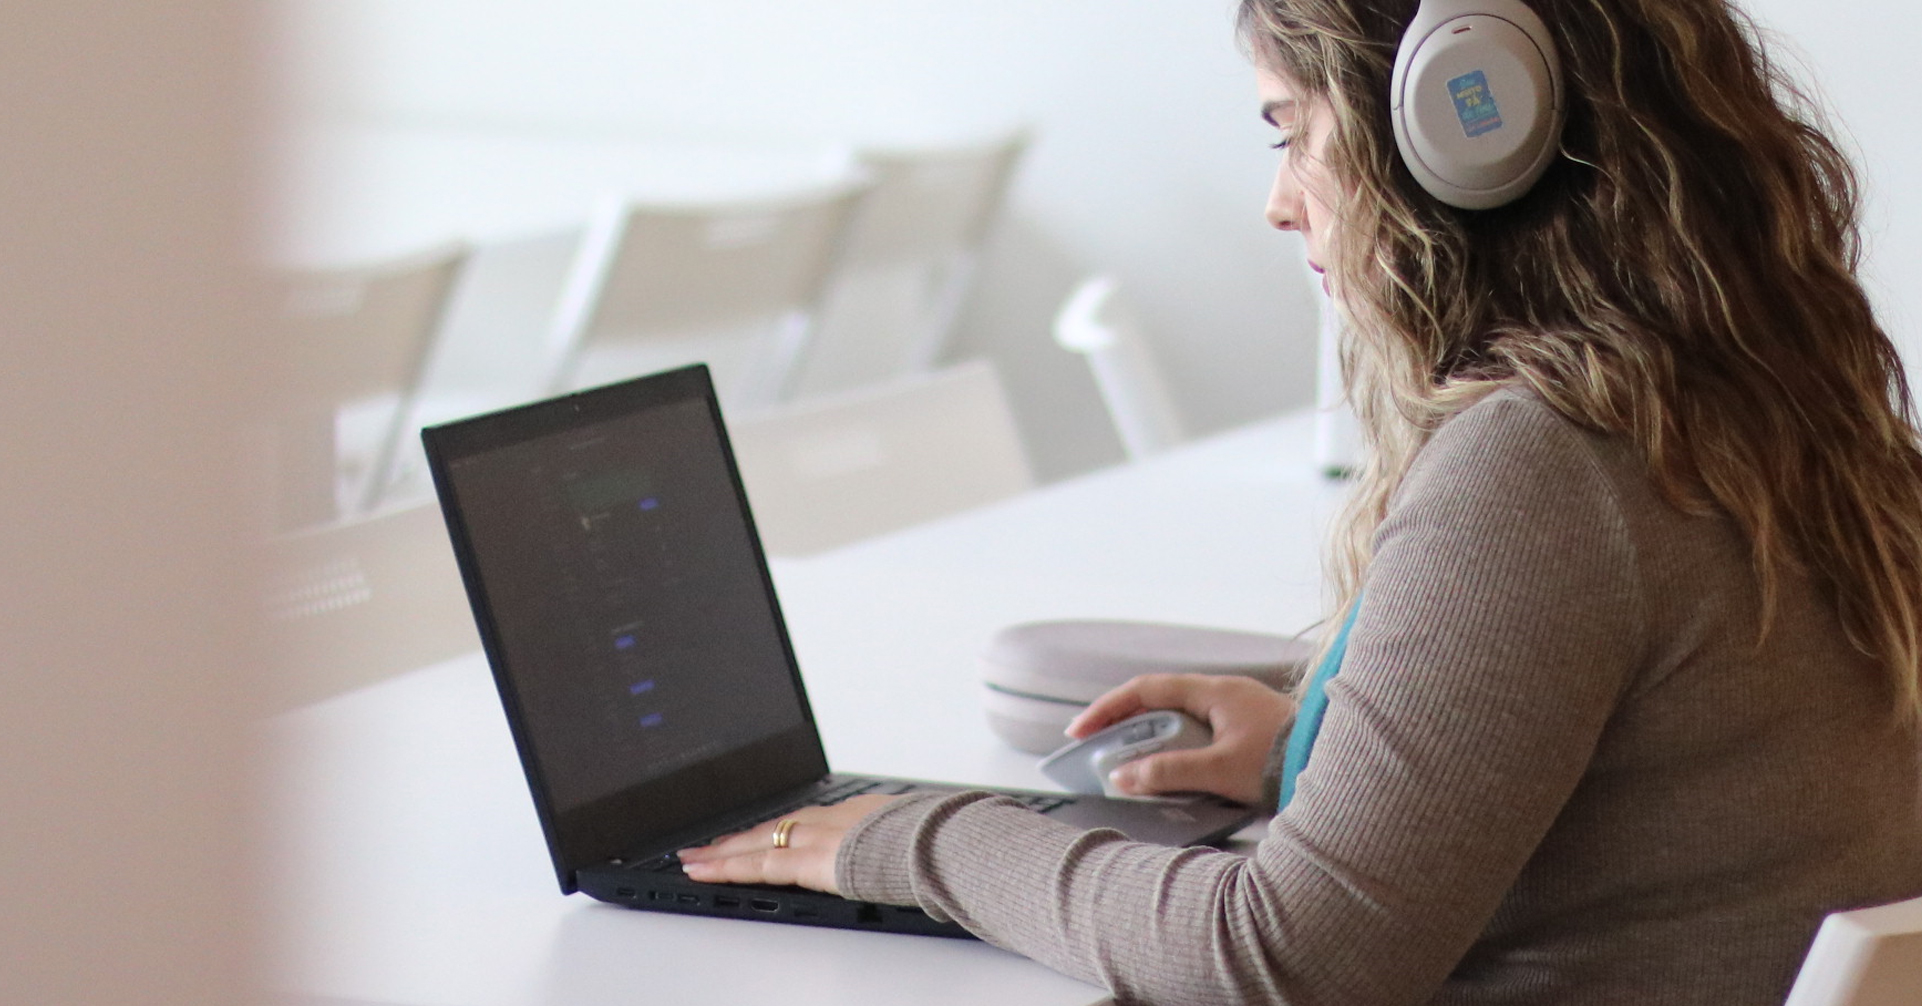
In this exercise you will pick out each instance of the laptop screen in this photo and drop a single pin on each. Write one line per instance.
(626, 609)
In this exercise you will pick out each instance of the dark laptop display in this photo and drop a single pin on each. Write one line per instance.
(626, 609)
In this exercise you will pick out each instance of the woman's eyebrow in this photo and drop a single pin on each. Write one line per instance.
(1269, 109)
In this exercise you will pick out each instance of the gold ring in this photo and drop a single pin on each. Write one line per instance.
(781, 830)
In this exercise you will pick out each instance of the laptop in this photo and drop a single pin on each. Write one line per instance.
(624, 603)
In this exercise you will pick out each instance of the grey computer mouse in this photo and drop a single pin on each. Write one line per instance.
(1083, 766)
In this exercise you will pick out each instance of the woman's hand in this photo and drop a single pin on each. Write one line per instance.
(812, 841)
(1244, 714)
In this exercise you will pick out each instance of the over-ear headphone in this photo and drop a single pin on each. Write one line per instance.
(1478, 100)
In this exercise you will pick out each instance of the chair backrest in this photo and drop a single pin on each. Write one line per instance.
(363, 331)
(733, 285)
(361, 600)
(908, 263)
(929, 204)
(1095, 323)
(352, 338)
(831, 471)
(1866, 957)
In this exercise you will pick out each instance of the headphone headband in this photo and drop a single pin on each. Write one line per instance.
(1477, 100)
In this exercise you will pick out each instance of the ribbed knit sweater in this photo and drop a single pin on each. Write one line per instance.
(1560, 765)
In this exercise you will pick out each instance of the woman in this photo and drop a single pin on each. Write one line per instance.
(1627, 695)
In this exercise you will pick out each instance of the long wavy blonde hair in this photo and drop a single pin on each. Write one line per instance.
(1683, 276)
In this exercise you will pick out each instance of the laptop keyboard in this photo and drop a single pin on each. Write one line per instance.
(1040, 803)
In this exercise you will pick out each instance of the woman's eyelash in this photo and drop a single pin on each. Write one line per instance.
(1281, 144)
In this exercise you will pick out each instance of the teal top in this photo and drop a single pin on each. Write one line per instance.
(1314, 702)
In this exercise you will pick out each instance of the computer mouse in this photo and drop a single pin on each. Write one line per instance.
(1083, 766)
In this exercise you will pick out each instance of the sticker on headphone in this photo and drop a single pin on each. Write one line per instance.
(1474, 105)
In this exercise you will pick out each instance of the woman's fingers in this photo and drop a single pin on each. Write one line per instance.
(751, 857)
(1138, 695)
(766, 866)
(1245, 715)
(741, 843)
(777, 852)
(1196, 770)
(807, 860)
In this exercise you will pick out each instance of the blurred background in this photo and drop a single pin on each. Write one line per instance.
(1143, 161)
(479, 171)
(420, 121)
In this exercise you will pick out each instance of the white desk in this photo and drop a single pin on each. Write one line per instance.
(411, 868)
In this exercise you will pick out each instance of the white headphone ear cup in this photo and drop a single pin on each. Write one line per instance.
(1477, 101)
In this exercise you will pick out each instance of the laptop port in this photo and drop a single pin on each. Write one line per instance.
(765, 905)
(625, 892)
(867, 914)
(806, 913)
(726, 901)
(688, 899)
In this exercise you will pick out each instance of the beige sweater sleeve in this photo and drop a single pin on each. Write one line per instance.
(1501, 625)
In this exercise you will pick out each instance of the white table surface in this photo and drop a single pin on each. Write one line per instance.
(409, 867)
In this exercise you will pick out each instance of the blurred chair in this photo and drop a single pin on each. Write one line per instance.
(1867, 957)
(908, 263)
(834, 470)
(1095, 323)
(360, 600)
(491, 352)
(736, 286)
(355, 343)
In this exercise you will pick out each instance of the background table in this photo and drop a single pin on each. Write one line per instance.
(409, 867)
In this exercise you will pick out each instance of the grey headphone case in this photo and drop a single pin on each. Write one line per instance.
(1037, 676)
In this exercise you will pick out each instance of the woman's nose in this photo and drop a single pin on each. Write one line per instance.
(1284, 204)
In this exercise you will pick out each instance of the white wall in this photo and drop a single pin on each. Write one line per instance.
(1149, 162)
(1860, 56)
(125, 784)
